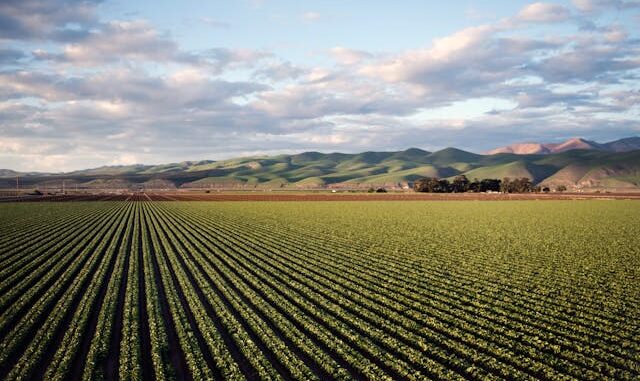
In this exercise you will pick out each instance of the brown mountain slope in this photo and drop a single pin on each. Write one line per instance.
(547, 148)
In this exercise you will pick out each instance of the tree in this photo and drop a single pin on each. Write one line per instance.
(490, 185)
(427, 184)
(443, 186)
(518, 185)
(432, 185)
(522, 185)
(474, 186)
(505, 186)
(460, 184)
(381, 190)
(421, 185)
(546, 189)
(561, 188)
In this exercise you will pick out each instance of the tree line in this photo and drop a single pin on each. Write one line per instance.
(461, 184)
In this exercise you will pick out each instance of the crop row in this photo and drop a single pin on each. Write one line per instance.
(302, 291)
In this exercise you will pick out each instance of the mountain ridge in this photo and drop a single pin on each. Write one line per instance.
(532, 148)
(576, 169)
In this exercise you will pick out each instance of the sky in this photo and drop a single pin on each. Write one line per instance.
(90, 83)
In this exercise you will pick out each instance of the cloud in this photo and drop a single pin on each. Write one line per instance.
(11, 56)
(34, 19)
(127, 42)
(544, 13)
(16, 84)
(117, 41)
(346, 56)
(628, 98)
(311, 16)
(124, 109)
(188, 88)
(279, 71)
(323, 93)
(81, 91)
(219, 59)
(481, 61)
(587, 62)
(473, 62)
(451, 53)
(125, 159)
(214, 23)
(590, 6)
(536, 97)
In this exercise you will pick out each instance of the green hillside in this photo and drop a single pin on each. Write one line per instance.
(520, 168)
(310, 170)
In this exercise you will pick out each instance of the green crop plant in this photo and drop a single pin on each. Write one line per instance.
(320, 290)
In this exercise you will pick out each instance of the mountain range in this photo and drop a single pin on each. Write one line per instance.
(577, 164)
(621, 145)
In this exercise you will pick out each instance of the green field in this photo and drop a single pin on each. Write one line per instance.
(320, 290)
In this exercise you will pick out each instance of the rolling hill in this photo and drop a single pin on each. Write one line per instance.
(588, 169)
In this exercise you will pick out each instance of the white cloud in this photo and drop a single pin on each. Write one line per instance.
(346, 56)
(122, 40)
(11, 146)
(615, 34)
(125, 159)
(128, 92)
(457, 49)
(311, 16)
(544, 13)
(328, 139)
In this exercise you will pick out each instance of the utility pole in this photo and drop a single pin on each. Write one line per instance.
(63, 187)
(17, 186)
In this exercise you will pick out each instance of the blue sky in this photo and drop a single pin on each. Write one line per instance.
(90, 83)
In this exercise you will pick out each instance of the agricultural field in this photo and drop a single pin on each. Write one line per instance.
(320, 290)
